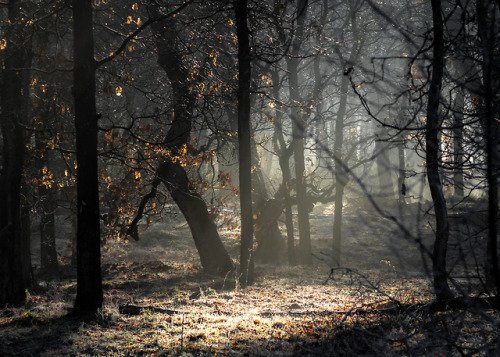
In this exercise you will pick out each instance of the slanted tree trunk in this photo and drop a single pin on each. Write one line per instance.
(214, 257)
(441, 288)
(89, 295)
(244, 140)
(14, 279)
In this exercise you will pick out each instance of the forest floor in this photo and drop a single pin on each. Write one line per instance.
(158, 302)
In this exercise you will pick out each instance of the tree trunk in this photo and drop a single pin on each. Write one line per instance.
(12, 271)
(89, 295)
(244, 132)
(384, 169)
(486, 27)
(45, 109)
(401, 173)
(270, 245)
(298, 132)
(214, 257)
(432, 141)
(284, 154)
(28, 278)
(46, 208)
(48, 252)
(340, 163)
(340, 174)
(458, 116)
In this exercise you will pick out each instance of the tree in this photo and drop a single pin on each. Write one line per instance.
(44, 190)
(89, 294)
(339, 164)
(432, 140)
(298, 133)
(214, 257)
(13, 277)
(244, 132)
(486, 12)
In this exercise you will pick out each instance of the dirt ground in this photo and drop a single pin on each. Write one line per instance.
(159, 302)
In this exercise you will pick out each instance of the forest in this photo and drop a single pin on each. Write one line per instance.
(249, 178)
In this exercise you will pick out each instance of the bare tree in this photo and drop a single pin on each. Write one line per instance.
(244, 132)
(89, 294)
(432, 140)
(13, 275)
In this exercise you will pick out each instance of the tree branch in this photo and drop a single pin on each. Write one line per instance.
(141, 28)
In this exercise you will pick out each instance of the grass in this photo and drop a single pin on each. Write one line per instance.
(290, 311)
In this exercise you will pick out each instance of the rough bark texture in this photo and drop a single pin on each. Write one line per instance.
(244, 132)
(432, 141)
(89, 295)
(12, 271)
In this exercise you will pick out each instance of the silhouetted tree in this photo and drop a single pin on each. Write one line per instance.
(14, 279)
(432, 141)
(488, 34)
(244, 132)
(89, 295)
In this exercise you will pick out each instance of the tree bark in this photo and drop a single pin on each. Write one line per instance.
(13, 273)
(89, 295)
(432, 141)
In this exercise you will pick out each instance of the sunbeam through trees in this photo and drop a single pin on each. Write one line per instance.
(241, 177)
